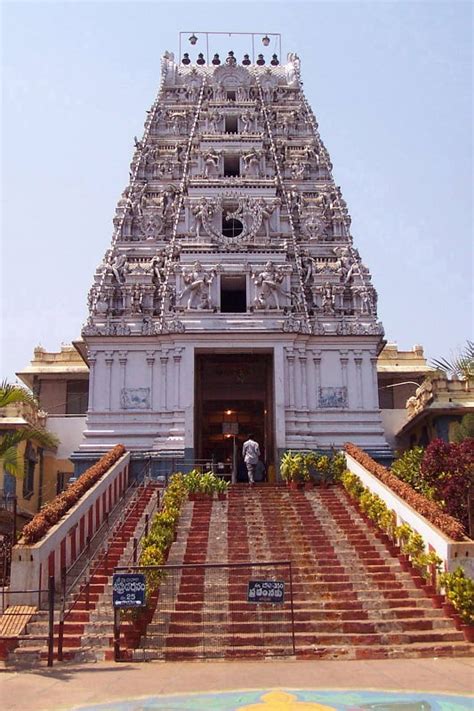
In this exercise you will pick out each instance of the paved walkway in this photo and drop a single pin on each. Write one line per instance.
(67, 686)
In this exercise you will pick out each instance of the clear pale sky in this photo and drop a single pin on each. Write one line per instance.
(390, 84)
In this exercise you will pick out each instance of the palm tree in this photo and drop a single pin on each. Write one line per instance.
(12, 462)
(461, 365)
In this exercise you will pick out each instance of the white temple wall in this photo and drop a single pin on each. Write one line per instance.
(144, 392)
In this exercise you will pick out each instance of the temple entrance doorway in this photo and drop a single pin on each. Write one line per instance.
(234, 398)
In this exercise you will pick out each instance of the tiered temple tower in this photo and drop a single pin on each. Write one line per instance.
(232, 297)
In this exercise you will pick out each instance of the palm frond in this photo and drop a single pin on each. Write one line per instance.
(461, 365)
(13, 463)
(41, 437)
(10, 394)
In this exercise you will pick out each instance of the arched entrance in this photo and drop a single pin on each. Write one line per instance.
(234, 397)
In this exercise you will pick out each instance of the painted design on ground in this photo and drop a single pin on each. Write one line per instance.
(293, 700)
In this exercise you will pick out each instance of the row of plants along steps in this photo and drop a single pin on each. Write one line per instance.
(351, 597)
(196, 552)
(193, 538)
(88, 628)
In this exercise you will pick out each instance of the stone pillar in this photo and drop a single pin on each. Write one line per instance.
(91, 359)
(317, 374)
(290, 359)
(360, 389)
(302, 360)
(375, 382)
(343, 359)
(177, 376)
(109, 361)
(150, 359)
(123, 357)
(163, 375)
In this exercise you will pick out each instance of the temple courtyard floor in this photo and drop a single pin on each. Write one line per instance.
(408, 685)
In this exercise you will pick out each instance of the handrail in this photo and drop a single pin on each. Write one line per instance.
(100, 554)
(97, 535)
(105, 543)
(138, 540)
(176, 566)
(206, 566)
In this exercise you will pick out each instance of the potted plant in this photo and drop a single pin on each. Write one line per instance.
(293, 470)
(192, 481)
(337, 466)
(222, 487)
(208, 484)
(317, 468)
(402, 534)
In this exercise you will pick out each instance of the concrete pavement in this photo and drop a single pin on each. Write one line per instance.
(67, 686)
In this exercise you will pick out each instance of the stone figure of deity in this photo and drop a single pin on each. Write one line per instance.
(269, 287)
(202, 211)
(252, 164)
(246, 121)
(211, 164)
(266, 212)
(328, 300)
(197, 283)
(119, 268)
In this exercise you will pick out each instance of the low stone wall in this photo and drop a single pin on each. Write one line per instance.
(453, 553)
(33, 564)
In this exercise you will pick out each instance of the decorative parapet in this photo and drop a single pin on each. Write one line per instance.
(22, 414)
(63, 543)
(440, 392)
(453, 549)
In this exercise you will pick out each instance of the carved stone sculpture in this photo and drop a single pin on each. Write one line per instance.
(211, 164)
(252, 164)
(328, 299)
(119, 268)
(266, 211)
(196, 291)
(202, 212)
(268, 284)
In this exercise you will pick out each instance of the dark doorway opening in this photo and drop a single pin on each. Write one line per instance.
(233, 294)
(233, 397)
(231, 165)
(231, 124)
(231, 95)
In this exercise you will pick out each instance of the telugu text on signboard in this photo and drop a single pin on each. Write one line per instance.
(128, 590)
(266, 591)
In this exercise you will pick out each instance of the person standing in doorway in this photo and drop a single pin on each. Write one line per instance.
(251, 453)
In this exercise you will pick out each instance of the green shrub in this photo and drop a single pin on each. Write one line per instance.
(196, 482)
(293, 466)
(407, 467)
(459, 590)
(352, 484)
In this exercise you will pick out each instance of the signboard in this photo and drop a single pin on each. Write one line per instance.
(266, 591)
(231, 428)
(128, 590)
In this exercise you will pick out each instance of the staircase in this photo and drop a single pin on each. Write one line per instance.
(351, 598)
(88, 624)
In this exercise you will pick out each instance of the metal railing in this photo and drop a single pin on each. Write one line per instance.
(203, 611)
(49, 637)
(6, 546)
(96, 554)
(142, 531)
(172, 464)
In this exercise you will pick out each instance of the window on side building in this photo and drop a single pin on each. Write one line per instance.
(77, 397)
(31, 458)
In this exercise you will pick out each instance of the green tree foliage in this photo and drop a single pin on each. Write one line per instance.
(407, 468)
(464, 429)
(9, 456)
(461, 365)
